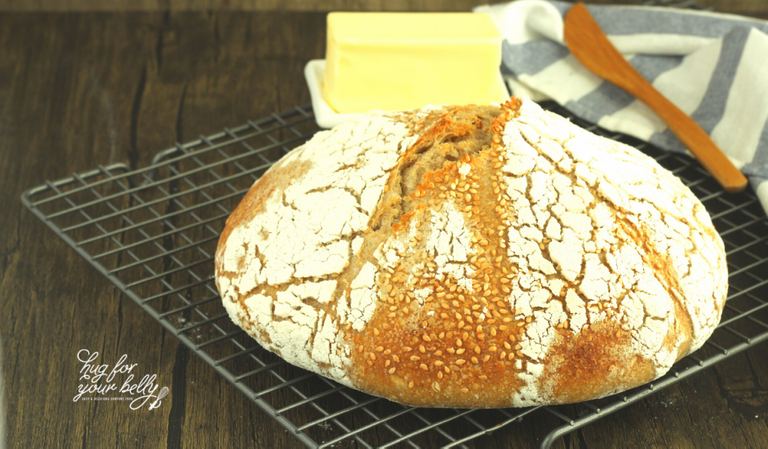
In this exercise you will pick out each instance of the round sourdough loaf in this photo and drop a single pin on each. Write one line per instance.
(473, 257)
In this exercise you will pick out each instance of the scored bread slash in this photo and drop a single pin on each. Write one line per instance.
(473, 256)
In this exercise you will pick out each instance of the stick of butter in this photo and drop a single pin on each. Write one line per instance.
(395, 61)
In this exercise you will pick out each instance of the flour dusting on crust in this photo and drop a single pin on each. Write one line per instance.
(309, 231)
(620, 230)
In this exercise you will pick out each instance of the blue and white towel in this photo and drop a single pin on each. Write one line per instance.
(712, 66)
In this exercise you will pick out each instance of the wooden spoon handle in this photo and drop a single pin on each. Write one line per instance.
(695, 139)
(591, 47)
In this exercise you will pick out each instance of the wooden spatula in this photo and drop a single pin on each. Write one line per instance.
(592, 48)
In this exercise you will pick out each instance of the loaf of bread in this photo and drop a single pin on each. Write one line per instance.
(473, 256)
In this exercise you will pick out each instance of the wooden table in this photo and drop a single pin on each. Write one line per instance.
(78, 89)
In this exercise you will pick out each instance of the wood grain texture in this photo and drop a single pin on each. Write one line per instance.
(82, 89)
(244, 5)
(755, 8)
(79, 90)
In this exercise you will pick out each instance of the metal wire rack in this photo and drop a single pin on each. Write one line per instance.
(153, 232)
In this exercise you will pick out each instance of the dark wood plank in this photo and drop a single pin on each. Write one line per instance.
(80, 90)
(248, 5)
(67, 108)
(755, 8)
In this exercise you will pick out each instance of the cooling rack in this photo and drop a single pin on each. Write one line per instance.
(153, 232)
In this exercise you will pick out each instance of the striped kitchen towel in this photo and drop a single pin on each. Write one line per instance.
(712, 66)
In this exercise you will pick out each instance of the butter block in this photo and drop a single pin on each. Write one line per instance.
(395, 61)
